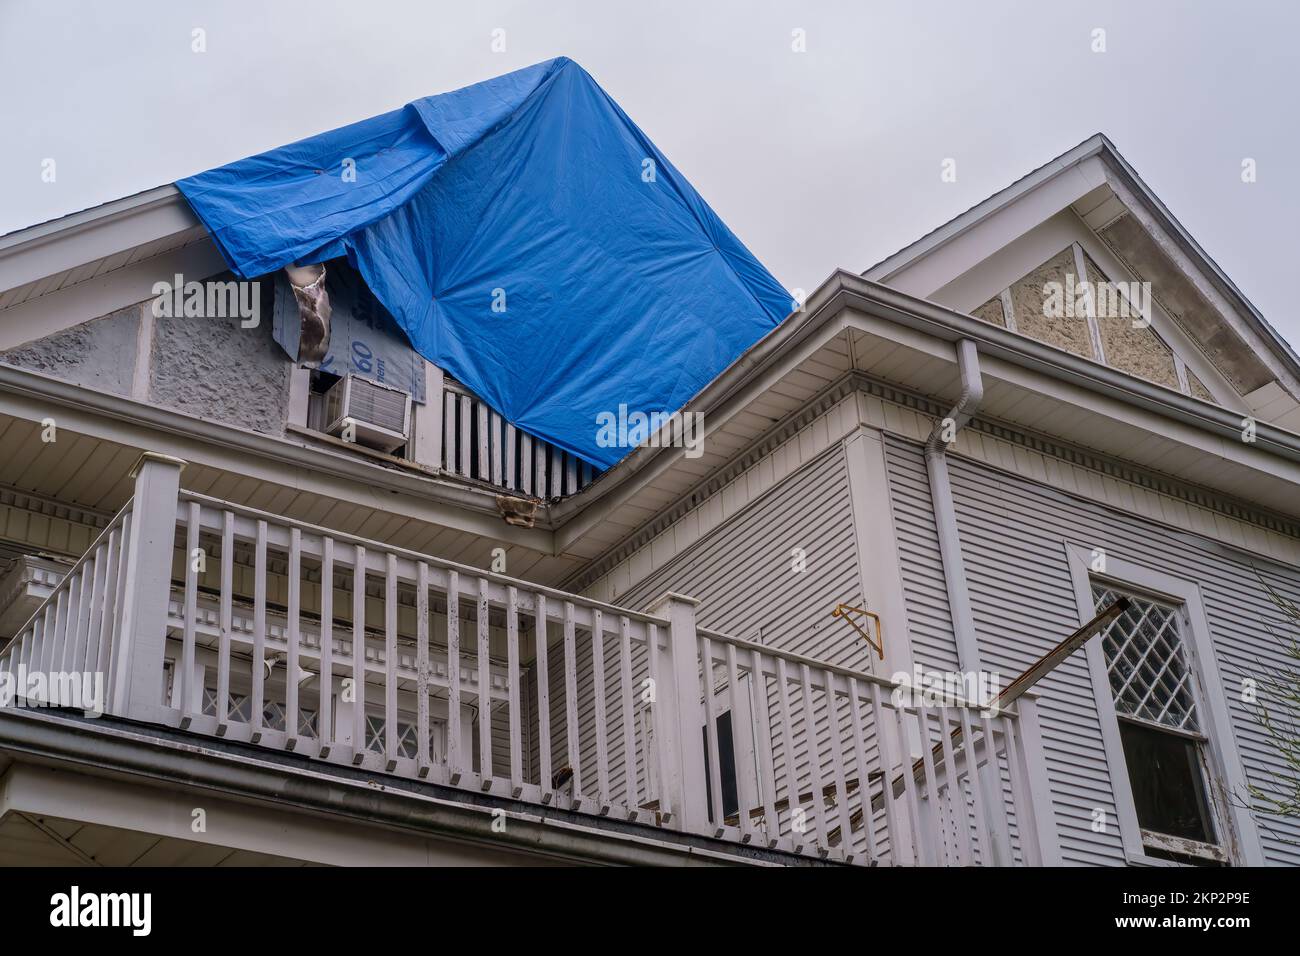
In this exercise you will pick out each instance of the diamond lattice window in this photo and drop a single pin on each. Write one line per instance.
(1146, 662)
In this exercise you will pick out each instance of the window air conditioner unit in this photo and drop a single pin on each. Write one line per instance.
(374, 415)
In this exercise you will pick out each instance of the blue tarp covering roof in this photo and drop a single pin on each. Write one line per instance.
(526, 236)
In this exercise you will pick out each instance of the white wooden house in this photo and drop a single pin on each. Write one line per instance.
(464, 647)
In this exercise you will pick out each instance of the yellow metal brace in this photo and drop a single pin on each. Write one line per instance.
(841, 610)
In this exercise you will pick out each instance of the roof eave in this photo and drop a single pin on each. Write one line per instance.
(823, 318)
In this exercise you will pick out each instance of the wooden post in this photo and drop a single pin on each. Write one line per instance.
(1034, 768)
(138, 682)
(679, 716)
(429, 420)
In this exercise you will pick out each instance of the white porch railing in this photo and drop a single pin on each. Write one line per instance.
(261, 629)
(477, 443)
(78, 628)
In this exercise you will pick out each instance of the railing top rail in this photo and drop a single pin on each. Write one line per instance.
(790, 657)
(502, 579)
(114, 523)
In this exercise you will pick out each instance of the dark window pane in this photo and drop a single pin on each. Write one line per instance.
(1165, 773)
(726, 767)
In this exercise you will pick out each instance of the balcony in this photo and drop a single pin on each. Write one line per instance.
(221, 621)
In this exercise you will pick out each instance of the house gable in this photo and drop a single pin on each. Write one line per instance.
(1087, 214)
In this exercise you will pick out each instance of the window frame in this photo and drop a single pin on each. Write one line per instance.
(1224, 773)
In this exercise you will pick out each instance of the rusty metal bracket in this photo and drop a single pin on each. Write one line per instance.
(842, 610)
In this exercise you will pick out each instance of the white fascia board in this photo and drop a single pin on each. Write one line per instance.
(1054, 363)
(72, 241)
(924, 276)
(941, 256)
(1204, 274)
(889, 270)
(1193, 249)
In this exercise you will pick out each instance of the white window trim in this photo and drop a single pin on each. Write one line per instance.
(1226, 776)
(299, 395)
(427, 420)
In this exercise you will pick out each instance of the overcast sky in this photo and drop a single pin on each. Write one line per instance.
(821, 159)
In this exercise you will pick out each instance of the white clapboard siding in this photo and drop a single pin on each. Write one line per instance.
(928, 618)
(1072, 741)
(1013, 535)
(742, 574)
(743, 577)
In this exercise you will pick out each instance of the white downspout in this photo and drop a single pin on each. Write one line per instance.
(954, 567)
(945, 514)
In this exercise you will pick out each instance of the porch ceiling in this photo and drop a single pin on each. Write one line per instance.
(83, 471)
(28, 839)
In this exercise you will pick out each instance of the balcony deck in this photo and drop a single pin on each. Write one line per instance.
(210, 619)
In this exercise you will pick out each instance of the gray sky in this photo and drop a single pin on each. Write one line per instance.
(817, 160)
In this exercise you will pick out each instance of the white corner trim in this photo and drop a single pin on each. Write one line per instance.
(879, 564)
(1243, 842)
(428, 419)
(143, 351)
(299, 395)
(1090, 302)
(1008, 311)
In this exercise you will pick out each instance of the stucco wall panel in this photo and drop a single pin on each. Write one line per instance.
(1028, 298)
(217, 369)
(1198, 389)
(98, 354)
(991, 312)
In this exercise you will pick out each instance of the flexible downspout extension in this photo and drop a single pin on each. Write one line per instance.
(945, 514)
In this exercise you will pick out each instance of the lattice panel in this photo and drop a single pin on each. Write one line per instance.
(407, 737)
(240, 707)
(1147, 663)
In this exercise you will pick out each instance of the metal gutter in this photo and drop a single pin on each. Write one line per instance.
(560, 524)
(994, 341)
(110, 747)
(727, 389)
(824, 319)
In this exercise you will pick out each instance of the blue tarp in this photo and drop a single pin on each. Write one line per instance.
(526, 236)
